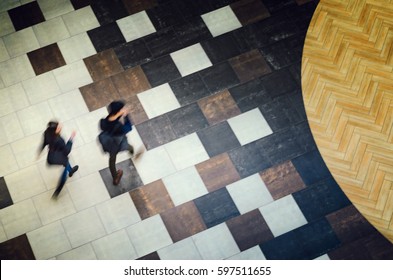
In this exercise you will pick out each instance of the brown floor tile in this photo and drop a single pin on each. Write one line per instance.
(219, 107)
(136, 6)
(46, 59)
(349, 224)
(103, 65)
(249, 66)
(150, 257)
(249, 11)
(183, 221)
(131, 82)
(282, 180)
(17, 248)
(99, 94)
(151, 199)
(137, 113)
(218, 172)
(249, 230)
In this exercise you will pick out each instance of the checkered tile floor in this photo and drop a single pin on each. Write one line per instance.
(229, 168)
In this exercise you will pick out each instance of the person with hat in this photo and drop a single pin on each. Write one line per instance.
(113, 136)
(58, 151)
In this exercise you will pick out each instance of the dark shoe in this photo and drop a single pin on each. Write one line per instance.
(116, 181)
(131, 150)
(74, 169)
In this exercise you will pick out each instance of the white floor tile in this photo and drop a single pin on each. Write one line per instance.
(21, 42)
(50, 174)
(88, 191)
(253, 253)
(83, 227)
(221, 21)
(249, 193)
(16, 70)
(26, 150)
(118, 213)
(154, 164)
(323, 257)
(10, 129)
(216, 243)
(41, 88)
(3, 51)
(72, 76)
(250, 126)
(116, 246)
(8, 163)
(191, 59)
(182, 250)
(12, 99)
(50, 210)
(149, 235)
(185, 185)
(136, 26)
(186, 151)
(88, 124)
(76, 48)
(48, 241)
(25, 183)
(90, 158)
(19, 218)
(81, 20)
(3, 236)
(6, 26)
(35, 118)
(84, 252)
(51, 31)
(2, 85)
(158, 100)
(52, 9)
(283, 215)
(68, 106)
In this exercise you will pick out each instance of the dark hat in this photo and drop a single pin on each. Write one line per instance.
(115, 107)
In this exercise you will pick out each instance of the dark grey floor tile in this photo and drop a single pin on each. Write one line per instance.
(156, 132)
(106, 37)
(5, 197)
(162, 42)
(218, 139)
(187, 119)
(279, 83)
(191, 32)
(108, 11)
(129, 181)
(221, 48)
(160, 71)
(275, 6)
(133, 53)
(321, 199)
(165, 15)
(216, 207)
(219, 77)
(189, 89)
(193, 8)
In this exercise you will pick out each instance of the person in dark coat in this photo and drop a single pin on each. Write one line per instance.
(115, 126)
(58, 152)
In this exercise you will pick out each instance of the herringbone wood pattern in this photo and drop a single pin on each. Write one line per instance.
(347, 81)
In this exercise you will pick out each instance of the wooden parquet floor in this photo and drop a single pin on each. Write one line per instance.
(347, 81)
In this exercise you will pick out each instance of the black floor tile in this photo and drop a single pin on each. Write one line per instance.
(249, 159)
(193, 8)
(216, 4)
(301, 15)
(133, 53)
(321, 199)
(156, 132)
(163, 42)
(311, 167)
(279, 83)
(78, 4)
(304, 137)
(218, 139)
(26, 15)
(17, 248)
(165, 15)
(5, 197)
(219, 77)
(189, 89)
(106, 37)
(150, 257)
(129, 181)
(250, 95)
(187, 119)
(108, 11)
(221, 48)
(305, 243)
(192, 32)
(275, 6)
(216, 207)
(160, 71)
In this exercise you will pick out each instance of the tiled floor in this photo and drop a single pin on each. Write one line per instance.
(229, 170)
